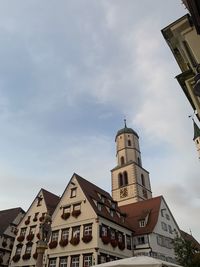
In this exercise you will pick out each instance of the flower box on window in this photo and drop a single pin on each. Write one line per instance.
(20, 238)
(65, 216)
(26, 256)
(53, 244)
(41, 219)
(16, 258)
(75, 240)
(35, 219)
(30, 237)
(27, 221)
(105, 239)
(87, 238)
(76, 213)
(63, 242)
(4, 244)
(114, 243)
(121, 245)
(35, 255)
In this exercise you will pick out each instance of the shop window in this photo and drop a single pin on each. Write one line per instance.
(63, 262)
(52, 262)
(75, 261)
(87, 260)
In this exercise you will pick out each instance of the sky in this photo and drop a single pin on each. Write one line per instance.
(70, 72)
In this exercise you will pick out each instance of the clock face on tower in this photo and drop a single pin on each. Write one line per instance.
(123, 192)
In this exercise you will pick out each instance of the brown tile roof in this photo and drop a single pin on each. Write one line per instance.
(7, 217)
(139, 210)
(190, 238)
(51, 200)
(93, 193)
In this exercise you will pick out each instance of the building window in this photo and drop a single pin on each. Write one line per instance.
(39, 201)
(73, 192)
(139, 161)
(75, 261)
(122, 160)
(23, 232)
(120, 177)
(125, 178)
(99, 206)
(102, 258)
(120, 237)
(170, 229)
(164, 226)
(112, 234)
(32, 230)
(111, 213)
(104, 230)
(141, 240)
(52, 262)
(77, 206)
(87, 260)
(142, 223)
(28, 248)
(18, 250)
(197, 141)
(65, 234)
(54, 236)
(63, 262)
(129, 142)
(76, 232)
(128, 242)
(142, 179)
(87, 230)
(167, 217)
(67, 209)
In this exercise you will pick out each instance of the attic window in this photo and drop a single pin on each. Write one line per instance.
(73, 192)
(142, 223)
(39, 199)
(111, 213)
(103, 199)
(99, 206)
(113, 204)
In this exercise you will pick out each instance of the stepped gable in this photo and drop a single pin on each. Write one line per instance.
(51, 200)
(188, 237)
(139, 211)
(7, 217)
(93, 193)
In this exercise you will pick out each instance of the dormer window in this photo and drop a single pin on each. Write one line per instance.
(103, 199)
(73, 192)
(99, 206)
(113, 204)
(142, 223)
(111, 213)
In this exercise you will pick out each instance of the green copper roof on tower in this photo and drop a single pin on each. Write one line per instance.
(196, 130)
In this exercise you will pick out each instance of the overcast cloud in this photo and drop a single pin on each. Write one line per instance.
(70, 71)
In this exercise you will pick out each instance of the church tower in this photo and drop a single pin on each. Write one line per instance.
(130, 181)
(197, 137)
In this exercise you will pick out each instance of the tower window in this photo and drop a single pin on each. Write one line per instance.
(142, 179)
(122, 160)
(120, 179)
(125, 178)
(197, 141)
(129, 142)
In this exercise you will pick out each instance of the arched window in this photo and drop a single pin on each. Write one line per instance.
(120, 177)
(142, 179)
(139, 161)
(125, 180)
(129, 142)
(122, 160)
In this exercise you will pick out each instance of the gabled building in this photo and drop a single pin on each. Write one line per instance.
(155, 228)
(9, 219)
(24, 249)
(88, 227)
(184, 42)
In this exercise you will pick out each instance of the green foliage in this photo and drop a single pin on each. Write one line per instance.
(186, 254)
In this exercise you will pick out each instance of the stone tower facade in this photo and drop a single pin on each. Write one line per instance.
(130, 181)
(197, 137)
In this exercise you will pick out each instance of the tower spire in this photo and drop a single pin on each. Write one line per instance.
(125, 122)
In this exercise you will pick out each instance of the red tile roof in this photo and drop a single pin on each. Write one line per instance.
(139, 210)
(51, 200)
(7, 217)
(93, 193)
